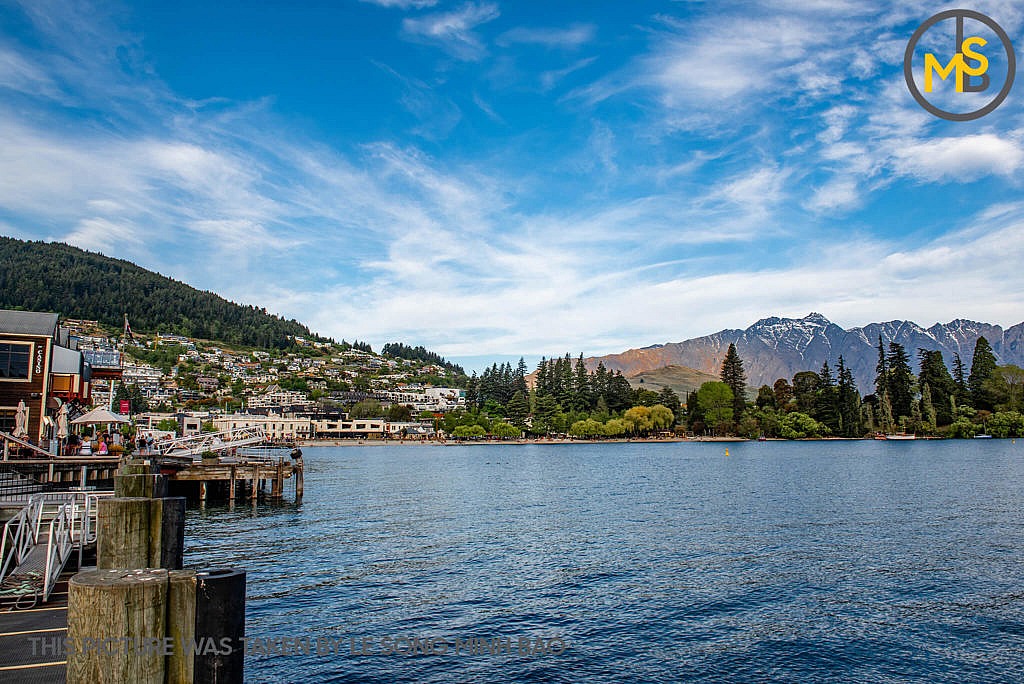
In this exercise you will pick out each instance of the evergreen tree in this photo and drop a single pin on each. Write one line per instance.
(583, 399)
(881, 371)
(518, 409)
(900, 382)
(928, 411)
(850, 420)
(826, 405)
(472, 396)
(983, 367)
(934, 375)
(519, 380)
(668, 398)
(599, 383)
(962, 394)
(620, 394)
(734, 376)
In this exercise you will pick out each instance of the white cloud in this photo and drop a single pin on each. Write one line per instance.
(568, 38)
(962, 159)
(453, 31)
(402, 4)
(837, 194)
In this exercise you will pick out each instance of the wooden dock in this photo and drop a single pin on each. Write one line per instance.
(31, 638)
(236, 478)
(224, 477)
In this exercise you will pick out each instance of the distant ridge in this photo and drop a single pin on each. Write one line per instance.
(776, 347)
(52, 276)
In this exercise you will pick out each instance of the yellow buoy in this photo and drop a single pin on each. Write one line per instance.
(727, 452)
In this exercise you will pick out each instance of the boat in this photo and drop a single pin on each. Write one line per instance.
(982, 436)
(900, 436)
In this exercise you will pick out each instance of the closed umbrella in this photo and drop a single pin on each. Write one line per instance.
(62, 422)
(21, 420)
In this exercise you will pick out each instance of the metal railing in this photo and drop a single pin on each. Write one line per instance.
(60, 543)
(20, 534)
(212, 441)
(16, 486)
(84, 520)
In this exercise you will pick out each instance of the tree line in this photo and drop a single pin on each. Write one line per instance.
(934, 401)
(41, 276)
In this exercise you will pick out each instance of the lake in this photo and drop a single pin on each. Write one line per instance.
(784, 561)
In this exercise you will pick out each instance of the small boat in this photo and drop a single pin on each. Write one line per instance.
(900, 436)
(982, 436)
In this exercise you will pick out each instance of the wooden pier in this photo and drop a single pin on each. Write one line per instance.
(228, 478)
(236, 478)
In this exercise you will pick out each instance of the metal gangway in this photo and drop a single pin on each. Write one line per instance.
(38, 541)
(224, 440)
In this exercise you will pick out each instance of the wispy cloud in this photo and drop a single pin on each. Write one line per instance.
(402, 4)
(453, 31)
(562, 38)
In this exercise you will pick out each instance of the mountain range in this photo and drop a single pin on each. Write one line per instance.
(776, 348)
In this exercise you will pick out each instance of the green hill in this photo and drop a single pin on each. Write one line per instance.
(681, 379)
(51, 276)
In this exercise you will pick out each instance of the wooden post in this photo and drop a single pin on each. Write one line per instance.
(231, 485)
(114, 620)
(122, 532)
(167, 532)
(220, 614)
(277, 488)
(149, 486)
(202, 492)
(181, 625)
(299, 485)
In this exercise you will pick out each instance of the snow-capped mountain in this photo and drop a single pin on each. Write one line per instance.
(776, 348)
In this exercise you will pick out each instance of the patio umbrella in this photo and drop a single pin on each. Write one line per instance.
(99, 415)
(21, 420)
(62, 422)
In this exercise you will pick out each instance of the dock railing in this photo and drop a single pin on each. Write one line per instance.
(60, 543)
(196, 445)
(20, 535)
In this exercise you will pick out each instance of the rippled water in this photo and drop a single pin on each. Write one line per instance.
(843, 561)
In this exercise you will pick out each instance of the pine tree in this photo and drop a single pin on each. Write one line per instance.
(962, 394)
(826, 409)
(733, 375)
(983, 367)
(850, 420)
(519, 380)
(934, 374)
(518, 409)
(928, 407)
(668, 398)
(583, 399)
(881, 371)
(900, 381)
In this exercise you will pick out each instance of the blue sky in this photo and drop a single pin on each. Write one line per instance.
(495, 179)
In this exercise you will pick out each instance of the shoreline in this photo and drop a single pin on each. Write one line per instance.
(524, 442)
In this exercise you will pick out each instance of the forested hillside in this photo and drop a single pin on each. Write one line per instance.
(50, 276)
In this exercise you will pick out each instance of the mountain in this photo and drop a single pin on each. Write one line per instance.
(681, 379)
(776, 348)
(51, 276)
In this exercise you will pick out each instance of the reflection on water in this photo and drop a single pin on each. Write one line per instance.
(853, 561)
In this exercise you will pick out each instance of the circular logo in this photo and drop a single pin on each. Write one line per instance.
(959, 64)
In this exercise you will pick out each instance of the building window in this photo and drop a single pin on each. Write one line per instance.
(14, 360)
(7, 420)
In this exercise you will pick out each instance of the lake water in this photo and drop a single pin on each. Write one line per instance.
(807, 561)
